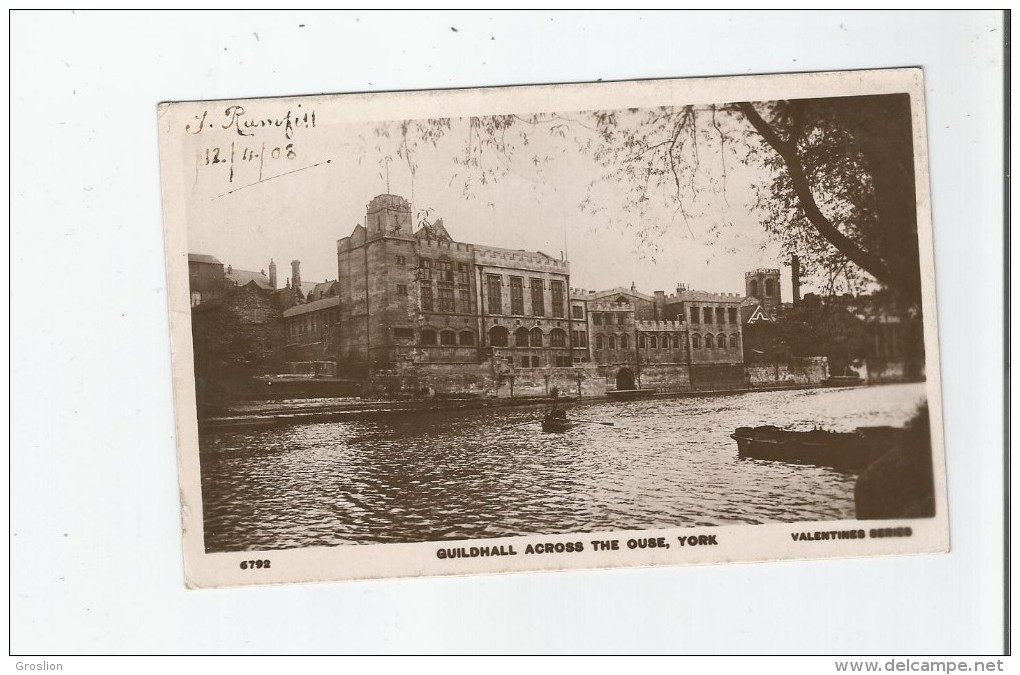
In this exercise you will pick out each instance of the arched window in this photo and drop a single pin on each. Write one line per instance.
(734, 341)
(770, 288)
(720, 340)
(664, 341)
(557, 338)
(675, 342)
(696, 341)
(536, 337)
(753, 288)
(428, 337)
(521, 337)
(467, 337)
(624, 342)
(499, 336)
(642, 341)
(612, 341)
(653, 342)
(599, 342)
(709, 341)
(447, 337)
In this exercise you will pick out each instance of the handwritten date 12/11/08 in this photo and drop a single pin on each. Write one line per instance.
(254, 564)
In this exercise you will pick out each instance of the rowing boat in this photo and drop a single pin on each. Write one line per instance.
(556, 425)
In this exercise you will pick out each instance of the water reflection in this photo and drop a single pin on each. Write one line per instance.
(470, 474)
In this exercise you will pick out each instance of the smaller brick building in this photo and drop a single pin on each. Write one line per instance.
(312, 331)
(205, 278)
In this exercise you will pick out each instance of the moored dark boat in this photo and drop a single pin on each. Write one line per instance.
(853, 451)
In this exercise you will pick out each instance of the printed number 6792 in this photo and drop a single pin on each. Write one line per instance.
(254, 564)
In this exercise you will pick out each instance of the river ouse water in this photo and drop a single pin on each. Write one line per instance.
(483, 473)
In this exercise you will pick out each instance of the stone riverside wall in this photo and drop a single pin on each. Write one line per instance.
(316, 368)
(487, 378)
(665, 377)
(799, 370)
(492, 377)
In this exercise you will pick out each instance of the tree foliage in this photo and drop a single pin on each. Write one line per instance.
(842, 193)
(228, 352)
(816, 328)
(833, 178)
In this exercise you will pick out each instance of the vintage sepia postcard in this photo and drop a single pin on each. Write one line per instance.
(553, 327)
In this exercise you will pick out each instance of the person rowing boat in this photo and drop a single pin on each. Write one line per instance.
(556, 417)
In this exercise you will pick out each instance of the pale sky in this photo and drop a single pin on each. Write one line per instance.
(302, 214)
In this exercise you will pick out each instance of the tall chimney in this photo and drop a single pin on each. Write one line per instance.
(272, 273)
(795, 278)
(295, 273)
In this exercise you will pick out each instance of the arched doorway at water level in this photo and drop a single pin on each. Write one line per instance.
(624, 379)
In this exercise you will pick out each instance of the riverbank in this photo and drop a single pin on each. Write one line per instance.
(306, 411)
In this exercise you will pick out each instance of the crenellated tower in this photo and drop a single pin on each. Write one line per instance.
(763, 284)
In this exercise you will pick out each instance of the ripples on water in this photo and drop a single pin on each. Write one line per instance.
(473, 474)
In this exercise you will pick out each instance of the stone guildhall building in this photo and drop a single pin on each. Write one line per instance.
(457, 316)
(469, 317)
(666, 342)
(417, 310)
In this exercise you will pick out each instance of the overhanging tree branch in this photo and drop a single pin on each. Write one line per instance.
(802, 188)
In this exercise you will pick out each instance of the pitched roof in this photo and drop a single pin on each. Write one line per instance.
(434, 231)
(619, 290)
(313, 306)
(439, 230)
(324, 289)
(203, 258)
(755, 313)
(243, 277)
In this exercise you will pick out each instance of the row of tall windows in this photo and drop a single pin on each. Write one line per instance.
(499, 336)
(714, 341)
(612, 342)
(607, 319)
(452, 291)
(665, 341)
(446, 338)
(713, 315)
(494, 296)
(309, 322)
